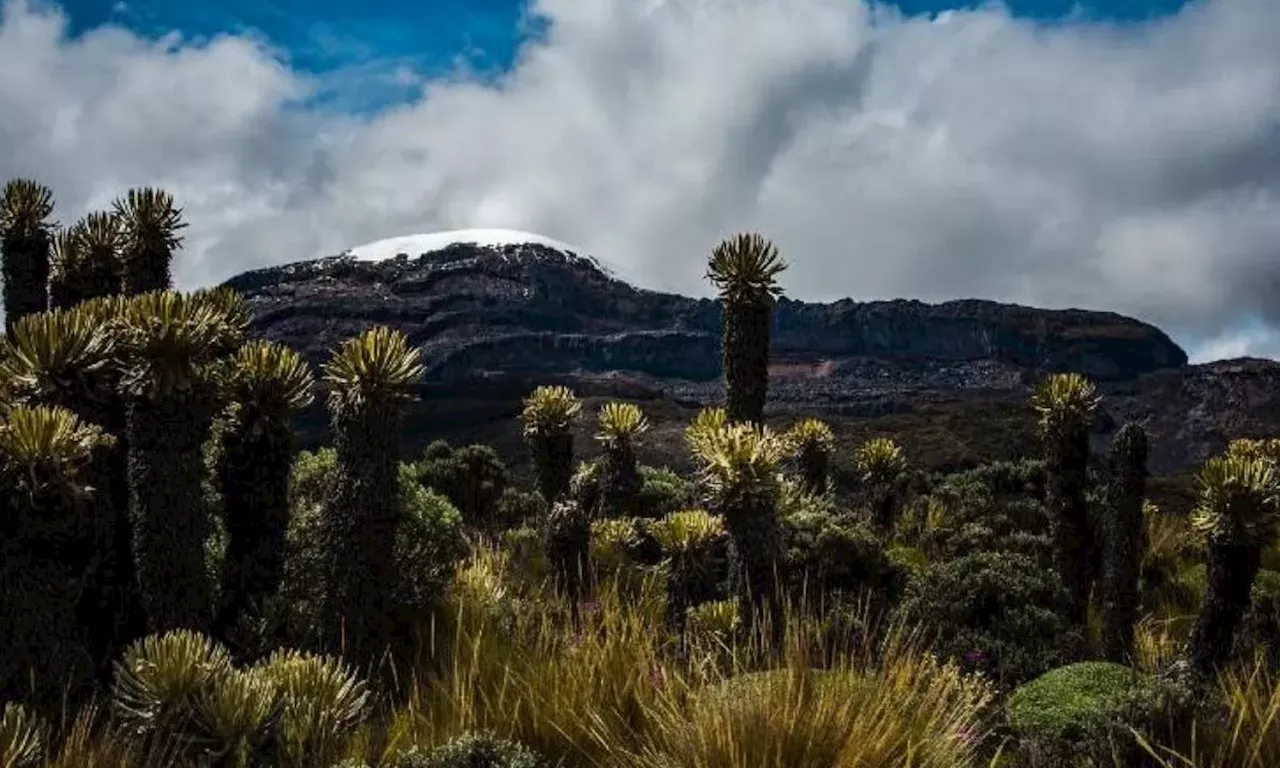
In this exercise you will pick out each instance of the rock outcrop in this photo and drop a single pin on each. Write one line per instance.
(494, 321)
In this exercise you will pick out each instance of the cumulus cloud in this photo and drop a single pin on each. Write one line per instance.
(1133, 168)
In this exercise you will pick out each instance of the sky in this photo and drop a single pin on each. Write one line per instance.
(1122, 156)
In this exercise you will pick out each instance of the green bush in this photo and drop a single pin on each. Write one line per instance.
(832, 555)
(993, 508)
(473, 478)
(1081, 709)
(994, 612)
(515, 508)
(662, 492)
(471, 750)
(429, 543)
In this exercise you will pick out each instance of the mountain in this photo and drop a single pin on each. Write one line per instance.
(497, 312)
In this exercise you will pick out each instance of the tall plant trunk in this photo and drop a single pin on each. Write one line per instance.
(553, 463)
(1066, 464)
(745, 357)
(1123, 543)
(815, 465)
(756, 560)
(256, 457)
(123, 592)
(359, 530)
(146, 269)
(170, 519)
(621, 487)
(26, 276)
(1231, 571)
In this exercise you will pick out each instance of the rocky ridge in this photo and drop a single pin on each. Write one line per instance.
(493, 320)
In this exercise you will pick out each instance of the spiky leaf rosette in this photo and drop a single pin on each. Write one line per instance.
(271, 378)
(620, 423)
(1065, 403)
(150, 223)
(232, 714)
(231, 316)
(56, 355)
(879, 460)
(744, 268)
(549, 410)
(687, 531)
(739, 460)
(25, 206)
(43, 448)
(86, 260)
(378, 365)
(160, 676)
(1239, 500)
(321, 702)
(1267, 450)
(167, 338)
(22, 737)
(810, 435)
(707, 422)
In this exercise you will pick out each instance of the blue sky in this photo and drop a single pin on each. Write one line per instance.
(366, 42)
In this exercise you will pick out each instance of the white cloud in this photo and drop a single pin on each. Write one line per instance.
(1133, 168)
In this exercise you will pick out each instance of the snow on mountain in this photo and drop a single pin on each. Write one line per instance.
(416, 245)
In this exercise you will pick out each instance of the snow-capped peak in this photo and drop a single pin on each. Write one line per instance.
(416, 245)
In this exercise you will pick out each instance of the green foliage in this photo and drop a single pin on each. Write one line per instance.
(471, 750)
(989, 509)
(473, 477)
(25, 207)
(662, 492)
(997, 612)
(516, 507)
(547, 418)
(149, 223)
(429, 541)
(1080, 709)
(833, 556)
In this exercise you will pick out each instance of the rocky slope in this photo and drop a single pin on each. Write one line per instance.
(495, 319)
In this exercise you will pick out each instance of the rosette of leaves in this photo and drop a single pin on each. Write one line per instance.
(86, 260)
(693, 542)
(811, 442)
(149, 223)
(320, 704)
(25, 240)
(471, 750)
(620, 425)
(23, 737)
(1237, 513)
(159, 681)
(745, 269)
(881, 466)
(548, 416)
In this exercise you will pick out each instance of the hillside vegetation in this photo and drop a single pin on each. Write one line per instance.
(183, 586)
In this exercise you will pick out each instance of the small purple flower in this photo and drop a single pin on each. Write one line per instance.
(974, 657)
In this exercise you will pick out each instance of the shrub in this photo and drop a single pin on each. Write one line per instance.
(473, 478)
(428, 542)
(988, 510)
(662, 492)
(992, 611)
(515, 508)
(1081, 709)
(830, 555)
(471, 750)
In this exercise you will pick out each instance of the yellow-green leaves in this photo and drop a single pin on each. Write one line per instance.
(1065, 401)
(149, 219)
(22, 738)
(379, 364)
(270, 377)
(549, 410)
(744, 268)
(160, 676)
(25, 206)
(687, 531)
(738, 459)
(879, 459)
(1239, 499)
(167, 337)
(45, 447)
(54, 352)
(620, 422)
(810, 435)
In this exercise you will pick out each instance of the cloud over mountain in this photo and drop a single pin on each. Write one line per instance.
(1132, 168)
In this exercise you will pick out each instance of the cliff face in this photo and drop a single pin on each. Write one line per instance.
(494, 321)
